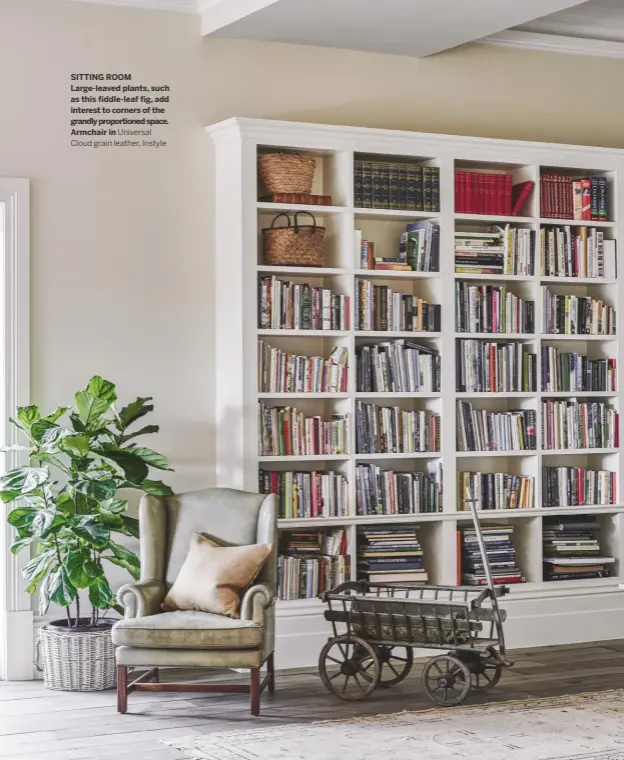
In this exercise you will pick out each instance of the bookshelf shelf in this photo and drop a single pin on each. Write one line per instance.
(240, 217)
(293, 208)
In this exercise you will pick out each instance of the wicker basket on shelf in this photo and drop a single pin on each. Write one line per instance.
(301, 245)
(286, 172)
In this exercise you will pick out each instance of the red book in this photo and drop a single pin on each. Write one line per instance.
(469, 192)
(586, 196)
(519, 194)
(299, 198)
(507, 211)
(457, 194)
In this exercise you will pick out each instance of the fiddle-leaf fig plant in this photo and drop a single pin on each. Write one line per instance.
(66, 511)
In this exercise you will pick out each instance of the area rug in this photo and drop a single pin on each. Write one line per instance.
(585, 727)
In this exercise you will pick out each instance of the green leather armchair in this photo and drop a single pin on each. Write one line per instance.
(148, 638)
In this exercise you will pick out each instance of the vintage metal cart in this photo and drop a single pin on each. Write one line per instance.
(384, 623)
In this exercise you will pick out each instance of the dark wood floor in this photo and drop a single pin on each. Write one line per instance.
(36, 724)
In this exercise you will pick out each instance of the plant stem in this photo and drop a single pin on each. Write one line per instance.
(77, 609)
(68, 613)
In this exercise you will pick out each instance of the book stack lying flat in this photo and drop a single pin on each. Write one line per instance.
(384, 184)
(378, 307)
(284, 431)
(563, 197)
(501, 554)
(577, 252)
(392, 430)
(390, 555)
(501, 250)
(481, 430)
(576, 315)
(284, 305)
(281, 372)
(483, 367)
(563, 371)
(307, 494)
(482, 193)
(492, 309)
(572, 424)
(572, 549)
(311, 562)
(495, 490)
(397, 366)
(578, 487)
(383, 492)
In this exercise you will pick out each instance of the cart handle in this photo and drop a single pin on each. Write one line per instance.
(360, 587)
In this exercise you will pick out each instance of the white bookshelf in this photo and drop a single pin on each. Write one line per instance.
(539, 613)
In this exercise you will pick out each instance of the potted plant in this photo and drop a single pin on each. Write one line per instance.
(67, 514)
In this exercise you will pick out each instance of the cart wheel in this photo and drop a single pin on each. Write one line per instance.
(396, 663)
(446, 680)
(485, 674)
(349, 667)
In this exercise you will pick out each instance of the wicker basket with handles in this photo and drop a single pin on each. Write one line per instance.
(301, 245)
(286, 172)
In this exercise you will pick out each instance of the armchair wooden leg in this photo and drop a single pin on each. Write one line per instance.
(122, 688)
(156, 677)
(271, 673)
(254, 691)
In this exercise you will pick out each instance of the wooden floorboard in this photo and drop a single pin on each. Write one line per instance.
(37, 724)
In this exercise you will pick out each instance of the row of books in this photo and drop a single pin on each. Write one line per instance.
(283, 431)
(495, 490)
(576, 315)
(284, 305)
(483, 193)
(282, 372)
(392, 430)
(378, 307)
(578, 487)
(564, 197)
(390, 555)
(385, 492)
(419, 250)
(307, 494)
(573, 372)
(392, 185)
(492, 309)
(311, 562)
(572, 424)
(483, 430)
(577, 252)
(500, 250)
(501, 555)
(398, 366)
(571, 549)
(483, 367)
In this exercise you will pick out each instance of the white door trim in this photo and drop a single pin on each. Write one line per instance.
(16, 617)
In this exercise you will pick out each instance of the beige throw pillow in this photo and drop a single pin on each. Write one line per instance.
(213, 577)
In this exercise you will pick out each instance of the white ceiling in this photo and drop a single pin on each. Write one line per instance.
(410, 27)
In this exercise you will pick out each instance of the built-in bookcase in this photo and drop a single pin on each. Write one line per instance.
(240, 218)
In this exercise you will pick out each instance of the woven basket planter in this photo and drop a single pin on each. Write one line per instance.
(286, 172)
(301, 245)
(77, 659)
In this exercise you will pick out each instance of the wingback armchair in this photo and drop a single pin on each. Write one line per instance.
(147, 638)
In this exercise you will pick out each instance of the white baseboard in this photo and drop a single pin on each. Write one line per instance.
(19, 646)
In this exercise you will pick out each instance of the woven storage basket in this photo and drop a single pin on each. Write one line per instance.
(286, 172)
(301, 245)
(74, 660)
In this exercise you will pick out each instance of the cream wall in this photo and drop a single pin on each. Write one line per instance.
(122, 259)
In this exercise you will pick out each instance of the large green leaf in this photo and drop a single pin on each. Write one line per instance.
(133, 467)
(100, 594)
(61, 590)
(21, 517)
(114, 521)
(82, 571)
(125, 558)
(155, 488)
(57, 413)
(130, 526)
(143, 431)
(76, 445)
(116, 506)
(134, 411)
(96, 533)
(48, 584)
(28, 414)
(90, 408)
(19, 543)
(49, 435)
(102, 389)
(150, 457)
(20, 482)
(98, 490)
(65, 504)
(34, 570)
(47, 521)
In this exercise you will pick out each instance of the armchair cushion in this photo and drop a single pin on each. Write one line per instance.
(188, 630)
(212, 577)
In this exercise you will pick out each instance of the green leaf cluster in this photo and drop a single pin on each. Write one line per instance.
(64, 503)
